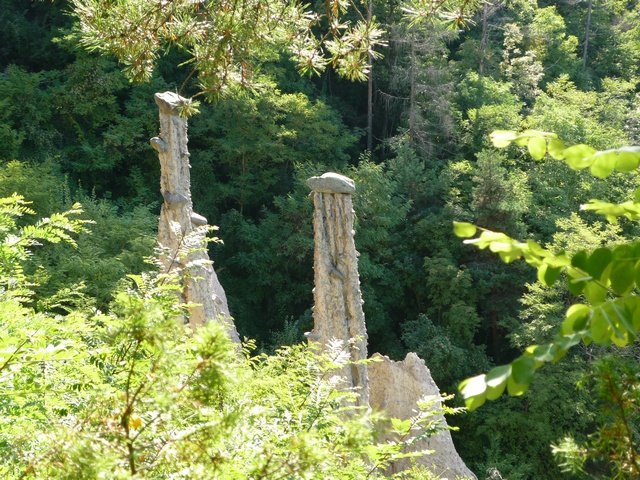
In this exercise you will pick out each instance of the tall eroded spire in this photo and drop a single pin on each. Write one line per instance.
(181, 231)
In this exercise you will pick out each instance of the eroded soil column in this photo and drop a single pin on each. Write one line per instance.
(337, 313)
(181, 231)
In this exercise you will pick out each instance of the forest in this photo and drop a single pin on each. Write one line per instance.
(97, 380)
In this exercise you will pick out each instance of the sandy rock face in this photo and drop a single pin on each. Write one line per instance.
(180, 228)
(396, 387)
(338, 302)
(337, 314)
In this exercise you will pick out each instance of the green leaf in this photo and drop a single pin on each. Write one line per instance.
(503, 246)
(508, 256)
(576, 287)
(401, 427)
(560, 260)
(556, 149)
(137, 279)
(612, 211)
(579, 156)
(545, 353)
(628, 161)
(576, 318)
(620, 341)
(522, 370)
(637, 275)
(598, 262)
(502, 138)
(625, 318)
(635, 319)
(497, 242)
(473, 391)
(580, 260)
(600, 330)
(595, 293)
(548, 275)
(542, 133)
(577, 280)
(464, 230)
(603, 164)
(536, 249)
(496, 381)
(537, 147)
(613, 319)
(515, 389)
(565, 342)
(622, 277)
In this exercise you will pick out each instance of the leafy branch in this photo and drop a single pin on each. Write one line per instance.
(606, 277)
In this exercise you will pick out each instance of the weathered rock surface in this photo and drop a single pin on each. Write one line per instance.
(396, 387)
(338, 302)
(331, 183)
(180, 229)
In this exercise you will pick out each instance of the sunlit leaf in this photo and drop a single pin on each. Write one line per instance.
(473, 391)
(556, 149)
(496, 381)
(548, 275)
(464, 230)
(559, 260)
(627, 161)
(537, 249)
(620, 341)
(537, 147)
(510, 255)
(545, 353)
(603, 165)
(502, 138)
(515, 389)
(579, 156)
(625, 318)
(401, 427)
(600, 330)
(576, 318)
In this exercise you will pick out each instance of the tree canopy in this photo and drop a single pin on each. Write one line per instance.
(441, 77)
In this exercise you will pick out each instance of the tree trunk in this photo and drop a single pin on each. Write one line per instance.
(412, 95)
(586, 36)
(370, 91)
(484, 38)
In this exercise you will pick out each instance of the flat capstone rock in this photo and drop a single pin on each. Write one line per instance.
(331, 183)
(169, 103)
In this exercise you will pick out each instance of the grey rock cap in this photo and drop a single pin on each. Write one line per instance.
(169, 103)
(331, 183)
(197, 219)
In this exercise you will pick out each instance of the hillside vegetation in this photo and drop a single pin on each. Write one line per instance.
(96, 376)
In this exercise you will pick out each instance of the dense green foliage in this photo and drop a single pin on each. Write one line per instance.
(74, 129)
(134, 393)
(606, 277)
